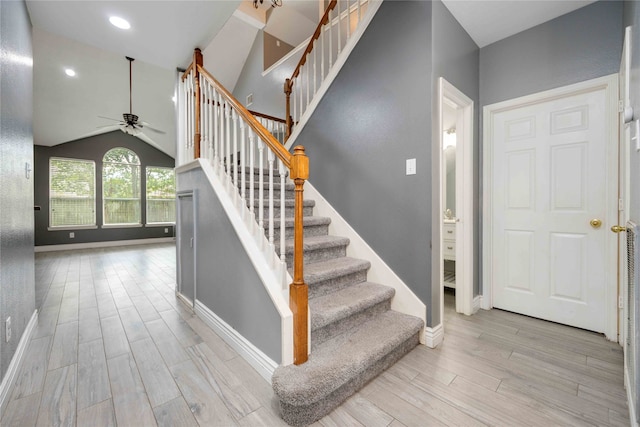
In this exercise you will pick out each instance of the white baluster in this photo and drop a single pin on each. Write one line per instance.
(282, 211)
(339, 30)
(227, 139)
(295, 104)
(243, 166)
(252, 165)
(235, 148)
(201, 124)
(315, 67)
(261, 185)
(308, 80)
(211, 127)
(204, 89)
(270, 159)
(348, 21)
(359, 12)
(323, 35)
(330, 41)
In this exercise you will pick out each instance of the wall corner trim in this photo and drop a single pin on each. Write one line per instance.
(16, 362)
(249, 352)
(477, 304)
(433, 336)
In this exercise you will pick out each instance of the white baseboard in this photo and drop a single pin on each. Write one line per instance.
(433, 336)
(249, 352)
(16, 362)
(632, 409)
(109, 244)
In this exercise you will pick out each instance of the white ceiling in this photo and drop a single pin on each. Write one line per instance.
(488, 21)
(164, 33)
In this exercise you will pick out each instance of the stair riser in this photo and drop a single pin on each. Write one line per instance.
(318, 255)
(309, 231)
(341, 326)
(331, 285)
(305, 415)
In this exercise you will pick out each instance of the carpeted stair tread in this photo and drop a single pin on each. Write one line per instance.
(326, 270)
(289, 203)
(346, 302)
(265, 185)
(307, 221)
(343, 358)
(315, 243)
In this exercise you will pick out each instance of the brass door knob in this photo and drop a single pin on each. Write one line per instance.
(595, 223)
(618, 229)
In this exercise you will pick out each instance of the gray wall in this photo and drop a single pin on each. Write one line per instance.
(375, 115)
(456, 58)
(226, 280)
(94, 148)
(17, 290)
(575, 47)
(268, 91)
(632, 17)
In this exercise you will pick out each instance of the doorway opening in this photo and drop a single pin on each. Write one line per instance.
(456, 197)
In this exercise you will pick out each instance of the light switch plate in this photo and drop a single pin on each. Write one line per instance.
(411, 166)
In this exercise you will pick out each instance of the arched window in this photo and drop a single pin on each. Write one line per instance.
(121, 187)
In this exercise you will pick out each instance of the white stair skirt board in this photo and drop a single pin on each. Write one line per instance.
(16, 362)
(372, 9)
(404, 301)
(249, 352)
(433, 336)
(109, 244)
(245, 227)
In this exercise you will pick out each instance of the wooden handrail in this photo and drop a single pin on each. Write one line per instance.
(298, 165)
(288, 84)
(268, 117)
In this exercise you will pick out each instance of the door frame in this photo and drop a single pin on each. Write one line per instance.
(448, 93)
(179, 195)
(610, 85)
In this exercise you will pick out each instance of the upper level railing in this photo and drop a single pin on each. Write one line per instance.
(275, 125)
(334, 30)
(245, 154)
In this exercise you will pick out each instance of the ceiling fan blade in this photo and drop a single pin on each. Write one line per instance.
(109, 118)
(107, 126)
(148, 126)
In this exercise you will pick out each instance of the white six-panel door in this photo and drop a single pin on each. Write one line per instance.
(550, 178)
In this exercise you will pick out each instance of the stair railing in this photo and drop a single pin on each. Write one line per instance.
(340, 20)
(221, 130)
(275, 125)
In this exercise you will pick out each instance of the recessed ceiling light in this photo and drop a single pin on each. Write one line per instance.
(70, 72)
(119, 22)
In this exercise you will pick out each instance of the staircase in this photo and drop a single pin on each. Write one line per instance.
(354, 333)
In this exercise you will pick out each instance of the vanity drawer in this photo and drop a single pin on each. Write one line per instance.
(449, 249)
(449, 231)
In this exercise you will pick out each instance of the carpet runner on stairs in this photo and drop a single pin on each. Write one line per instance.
(354, 334)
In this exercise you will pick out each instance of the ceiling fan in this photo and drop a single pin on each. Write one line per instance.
(130, 123)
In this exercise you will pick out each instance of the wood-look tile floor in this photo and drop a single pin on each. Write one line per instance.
(114, 346)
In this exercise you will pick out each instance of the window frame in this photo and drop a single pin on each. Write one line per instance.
(146, 196)
(93, 226)
(105, 199)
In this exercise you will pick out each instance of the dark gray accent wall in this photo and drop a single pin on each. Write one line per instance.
(94, 148)
(17, 289)
(456, 58)
(632, 17)
(375, 115)
(575, 47)
(268, 90)
(227, 282)
(274, 49)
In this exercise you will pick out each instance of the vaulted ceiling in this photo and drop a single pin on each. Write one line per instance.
(163, 34)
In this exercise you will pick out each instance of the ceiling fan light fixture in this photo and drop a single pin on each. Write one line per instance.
(274, 3)
(118, 22)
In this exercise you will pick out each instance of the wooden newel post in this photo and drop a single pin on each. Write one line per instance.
(197, 61)
(287, 92)
(298, 293)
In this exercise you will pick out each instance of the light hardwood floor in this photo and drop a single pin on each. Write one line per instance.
(114, 346)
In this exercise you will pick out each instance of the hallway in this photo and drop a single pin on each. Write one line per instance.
(114, 346)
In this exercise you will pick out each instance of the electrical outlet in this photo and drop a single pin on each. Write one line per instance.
(72, 235)
(278, 43)
(166, 230)
(249, 99)
(7, 329)
(411, 166)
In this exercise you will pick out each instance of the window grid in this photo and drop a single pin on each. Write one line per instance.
(121, 184)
